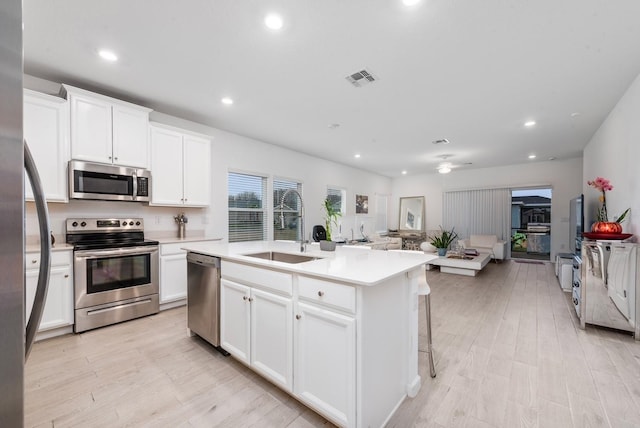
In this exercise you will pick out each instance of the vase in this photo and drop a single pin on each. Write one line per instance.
(442, 252)
(327, 245)
(610, 227)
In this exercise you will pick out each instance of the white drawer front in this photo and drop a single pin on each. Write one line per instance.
(328, 293)
(266, 278)
(58, 258)
(170, 249)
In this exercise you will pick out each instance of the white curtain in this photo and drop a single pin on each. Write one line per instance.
(478, 212)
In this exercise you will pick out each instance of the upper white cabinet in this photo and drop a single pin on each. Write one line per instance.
(180, 164)
(46, 130)
(107, 130)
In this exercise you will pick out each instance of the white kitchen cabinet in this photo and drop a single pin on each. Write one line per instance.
(58, 308)
(235, 319)
(108, 130)
(173, 277)
(325, 362)
(256, 328)
(46, 130)
(272, 337)
(180, 164)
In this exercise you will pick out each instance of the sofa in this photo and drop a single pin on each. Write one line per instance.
(486, 244)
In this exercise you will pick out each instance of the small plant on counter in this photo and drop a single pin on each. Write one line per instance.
(330, 217)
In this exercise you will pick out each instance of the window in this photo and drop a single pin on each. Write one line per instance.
(247, 211)
(381, 213)
(287, 228)
(338, 198)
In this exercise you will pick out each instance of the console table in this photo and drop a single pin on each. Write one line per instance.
(410, 241)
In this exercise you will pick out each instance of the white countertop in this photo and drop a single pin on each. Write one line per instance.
(359, 266)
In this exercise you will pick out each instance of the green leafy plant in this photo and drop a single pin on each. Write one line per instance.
(519, 240)
(330, 217)
(443, 238)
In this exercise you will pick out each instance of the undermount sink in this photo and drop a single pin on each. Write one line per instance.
(282, 257)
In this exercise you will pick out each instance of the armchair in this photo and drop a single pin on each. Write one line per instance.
(486, 244)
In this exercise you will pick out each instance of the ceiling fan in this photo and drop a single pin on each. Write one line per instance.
(445, 166)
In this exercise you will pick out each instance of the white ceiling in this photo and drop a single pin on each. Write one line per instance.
(469, 71)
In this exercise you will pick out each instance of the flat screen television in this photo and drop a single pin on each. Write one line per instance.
(576, 222)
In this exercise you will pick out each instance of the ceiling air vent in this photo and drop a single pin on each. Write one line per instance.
(361, 78)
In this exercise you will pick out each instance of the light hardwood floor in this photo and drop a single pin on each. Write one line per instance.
(508, 351)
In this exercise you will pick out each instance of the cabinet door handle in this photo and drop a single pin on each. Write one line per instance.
(115, 158)
(251, 299)
(320, 293)
(298, 316)
(34, 261)
(244, 298)
(109, 157)
(66, 276)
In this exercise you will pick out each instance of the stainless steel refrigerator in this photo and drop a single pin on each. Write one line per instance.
(15, 338)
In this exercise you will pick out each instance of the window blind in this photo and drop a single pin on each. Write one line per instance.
(247, 211)
(290, 209)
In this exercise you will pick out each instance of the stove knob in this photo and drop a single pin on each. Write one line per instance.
(74, 224)
(124, 223)
(137, 223)
(83, 224)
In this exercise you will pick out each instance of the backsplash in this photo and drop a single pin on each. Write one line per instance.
(157, 220)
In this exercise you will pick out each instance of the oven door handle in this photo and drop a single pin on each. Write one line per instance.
(116, 252)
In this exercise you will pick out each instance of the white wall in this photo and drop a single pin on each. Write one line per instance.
(229, 152)
(564, 177)
(614, 153)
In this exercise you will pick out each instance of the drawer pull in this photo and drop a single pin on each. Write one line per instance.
(34, 261)
(66, 276)
(320, 293)
(298, 316)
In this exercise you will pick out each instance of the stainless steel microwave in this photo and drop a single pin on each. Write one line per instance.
(108, 182)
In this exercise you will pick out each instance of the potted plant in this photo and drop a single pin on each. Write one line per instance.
(442, 240)
(330, 218)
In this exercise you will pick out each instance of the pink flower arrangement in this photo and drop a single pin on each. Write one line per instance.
(604, 185)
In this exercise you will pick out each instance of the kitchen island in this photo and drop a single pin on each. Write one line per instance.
(337, 330)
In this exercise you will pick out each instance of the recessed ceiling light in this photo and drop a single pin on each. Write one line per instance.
(273, 21)
(532, 156)
(357, 155)
(404, 172)
(530, 123)
(410, 2)
(108, 55)
(226, 100)
(444, 169)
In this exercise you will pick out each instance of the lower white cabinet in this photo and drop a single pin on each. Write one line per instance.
(325, 362)
(256, 328)
(58, 309)
(173, 275)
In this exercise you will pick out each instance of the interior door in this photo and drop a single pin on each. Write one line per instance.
(621, 276)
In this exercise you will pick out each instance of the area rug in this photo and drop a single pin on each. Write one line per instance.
(533, 262)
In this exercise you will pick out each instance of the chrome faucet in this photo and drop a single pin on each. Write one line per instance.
(301, 216)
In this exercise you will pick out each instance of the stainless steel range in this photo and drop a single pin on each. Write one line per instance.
(115, 271)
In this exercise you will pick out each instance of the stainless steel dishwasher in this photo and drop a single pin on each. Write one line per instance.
(203, 297)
